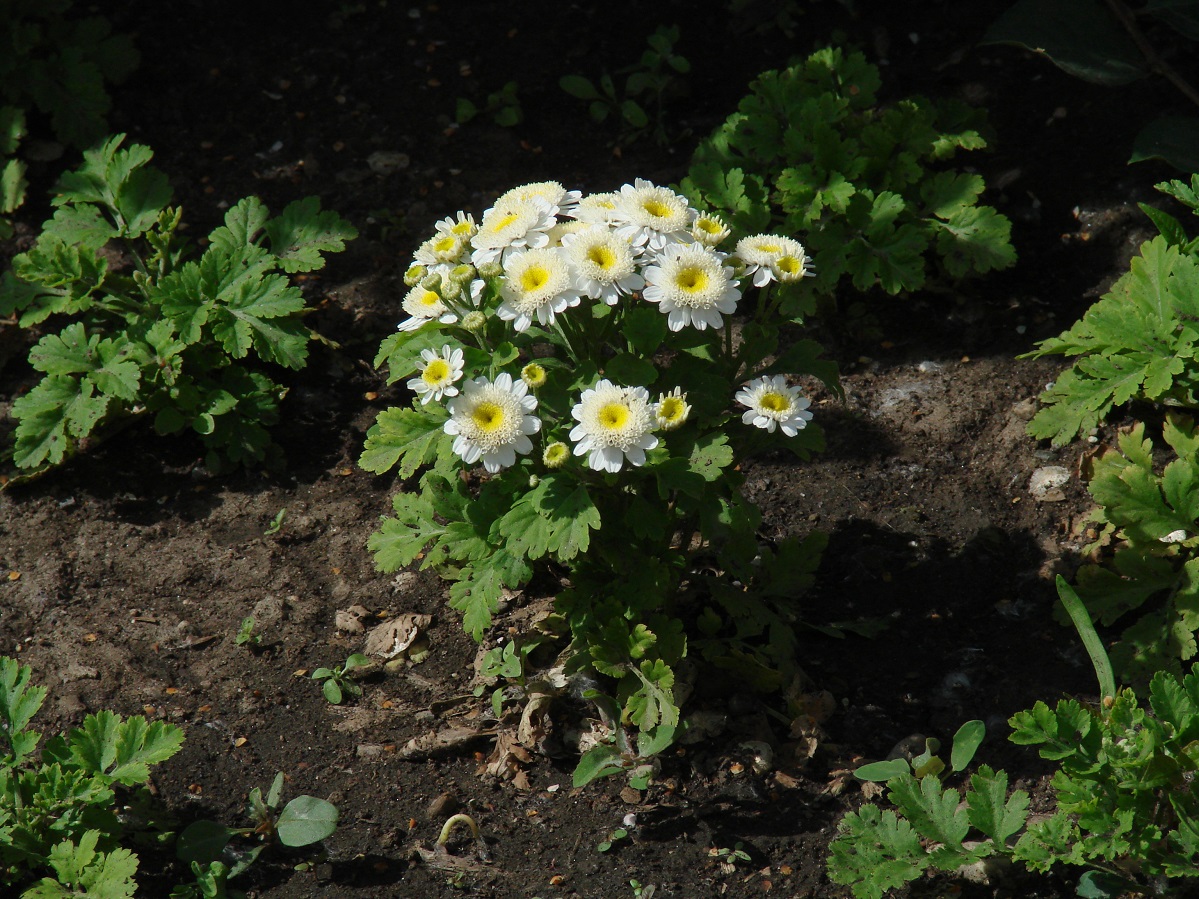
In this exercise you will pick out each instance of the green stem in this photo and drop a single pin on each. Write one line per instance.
(1090, 639)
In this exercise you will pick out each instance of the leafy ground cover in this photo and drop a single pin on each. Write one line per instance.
(128, 575)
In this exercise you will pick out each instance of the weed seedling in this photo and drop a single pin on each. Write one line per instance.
(245, 633)
(613, 838)
(205, 845)
(276, 523)
(728, 858)
(503, 106)
(338, 682)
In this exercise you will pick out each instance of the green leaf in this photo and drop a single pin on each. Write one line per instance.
(1173, 139)
(243, 224)
(989, 809)
(406, 438)
(400, 540)
(578, 86)
(1079, 36)
(881, 772)
(203, 841)
(121, 181)
(599, 761)
(975, 240)
(19, 702)
(12, 186)
(57, 409)
(123, 750)
(306, 820)
(965, 743)
(710, 455)
(933, 812)
(302, 233)
(874, 852)
(477, 595)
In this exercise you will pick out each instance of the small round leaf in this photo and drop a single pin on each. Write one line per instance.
(306, 820)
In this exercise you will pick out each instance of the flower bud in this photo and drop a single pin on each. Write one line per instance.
(491, 269)
(474, 321)
(533, 375)
(413, 276)
(556, 454)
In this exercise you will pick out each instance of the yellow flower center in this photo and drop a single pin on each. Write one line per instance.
(692, 279)
(461, 228)
(602, 256)
(656, 208)
(671, 409)
(789, 265)
(533, 375)
(436, 372)
(613, 416)
(429, 298)
(770, 248)
(487, 417)
(708, 226)
(445, 245)
(774, 402)
(533, 278)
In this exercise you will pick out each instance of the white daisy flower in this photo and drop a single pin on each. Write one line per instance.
(598, 208)
(440, 252)
(709, 229)
(461, 225)
(773, 404)
(672, 410)
(438, 374)
(519, 224)
(537, 285)
(423, 306)
(614, 424)
(652, 216)
(768, 257)
(693, 286)
(793, 264)
(551, 191)
(491, 421)
(604, 264)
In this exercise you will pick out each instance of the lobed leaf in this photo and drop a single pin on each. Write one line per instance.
(989, 808)
(874, 852)
(405, 438)
(302, 233)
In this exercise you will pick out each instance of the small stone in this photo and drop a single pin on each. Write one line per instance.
(1046, 483)
(384, 162)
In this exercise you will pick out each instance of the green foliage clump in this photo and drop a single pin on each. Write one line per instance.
(1138, 341)
(1150, 538)
(639, 105)
(59, 64)
(151, 332)
(12, 170)
(1124, 806)
(57, 814)
(810, 151)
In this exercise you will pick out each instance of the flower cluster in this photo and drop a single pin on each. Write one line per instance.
(545, 262)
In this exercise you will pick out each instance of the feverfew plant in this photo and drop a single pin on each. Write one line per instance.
(149, 332)
(587, 374)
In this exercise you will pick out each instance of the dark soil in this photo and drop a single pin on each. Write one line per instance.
(124, 576)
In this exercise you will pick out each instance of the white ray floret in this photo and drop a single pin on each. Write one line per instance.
(693, 286)
(460, 225)
(491, 421)
(537, 285)
(614, 424)
(438, 374)
(441, 250)
(772, 404)
(600, 209)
